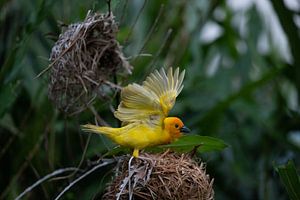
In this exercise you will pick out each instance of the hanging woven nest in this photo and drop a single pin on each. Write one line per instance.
(85, 57)
(161, 176)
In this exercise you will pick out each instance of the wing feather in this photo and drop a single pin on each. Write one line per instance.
(152, 100)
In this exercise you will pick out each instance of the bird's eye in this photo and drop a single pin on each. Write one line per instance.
(176, 125)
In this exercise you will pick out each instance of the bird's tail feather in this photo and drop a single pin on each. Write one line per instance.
(97, 129)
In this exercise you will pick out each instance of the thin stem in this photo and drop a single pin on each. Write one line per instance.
(123, 12)
(101, 121)
(23, 166)
(135, 22)
(152, 28)
(107, 162)
(117, 95)
(80, 163)
(55, 173)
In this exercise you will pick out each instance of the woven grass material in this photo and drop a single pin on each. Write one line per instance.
(161, 176)
(85, 57)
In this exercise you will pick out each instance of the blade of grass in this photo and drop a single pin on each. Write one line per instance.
(17, 52)
(290, 179)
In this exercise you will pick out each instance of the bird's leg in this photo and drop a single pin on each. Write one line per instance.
(136, 153)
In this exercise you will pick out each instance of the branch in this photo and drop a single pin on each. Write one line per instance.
(101, 121)
(55, 173)
(107, 162)
(23, 167)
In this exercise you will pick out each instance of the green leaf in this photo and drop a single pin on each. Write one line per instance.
(184, 144)
(8, 95)
(12, 64)
(118, 150)
(290, 179)
(188, 143)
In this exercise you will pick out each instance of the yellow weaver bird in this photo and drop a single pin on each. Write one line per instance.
(144, 113)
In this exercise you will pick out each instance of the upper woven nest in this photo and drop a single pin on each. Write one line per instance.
(85, 56)
(161, 176)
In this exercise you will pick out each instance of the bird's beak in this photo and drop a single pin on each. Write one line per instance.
(185, 129)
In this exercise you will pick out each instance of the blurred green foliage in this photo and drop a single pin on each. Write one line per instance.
(242, 85)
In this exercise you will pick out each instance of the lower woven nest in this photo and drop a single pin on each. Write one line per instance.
(160, 176)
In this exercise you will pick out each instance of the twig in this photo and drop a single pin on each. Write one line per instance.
(55, 173)
(84, 151)
(194, 150)
(107, 162)
(113, 85)
(80, 163)
(7, 145)
(103, 142)
(133, 57)
(35, 171)
(101, 121)
(23, 166)
(101, 183)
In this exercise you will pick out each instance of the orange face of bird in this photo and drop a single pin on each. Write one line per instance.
(175, 127)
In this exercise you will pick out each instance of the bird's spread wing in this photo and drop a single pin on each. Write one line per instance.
(151, 101)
